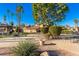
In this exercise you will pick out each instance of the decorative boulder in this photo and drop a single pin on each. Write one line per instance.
(44, 53)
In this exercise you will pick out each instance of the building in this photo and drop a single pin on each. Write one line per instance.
(4, 28)
(29, 29)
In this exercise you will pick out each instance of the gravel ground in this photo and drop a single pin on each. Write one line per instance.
(62, 47)
(7, 52)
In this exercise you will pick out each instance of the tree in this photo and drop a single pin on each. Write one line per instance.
(49, 13)
(19, 12)
(10, 14)
(0, 23)
(76, 22)
(8, 11)
(4, 19)
(11, 27)
(23, 25)
(11, 23)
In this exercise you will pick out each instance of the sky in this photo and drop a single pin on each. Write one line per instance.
(72, 14)
(28, 19)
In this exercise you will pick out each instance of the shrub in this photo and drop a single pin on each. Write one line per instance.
(15, 34)
(25, 49)
(67, 32)
(44, 30)
(1, 36)
(24, 34)
(55, 30)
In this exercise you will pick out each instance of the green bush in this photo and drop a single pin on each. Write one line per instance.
(15, 34)
(24, 34)
(55, 30)
(1, 36)
(67, 32)
(25, 49)
(44, 30)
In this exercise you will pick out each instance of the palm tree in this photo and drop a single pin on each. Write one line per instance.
(11, 14)
(11, 22)
(19, 11)
(76, 22)
(8, 12)
(4, 19)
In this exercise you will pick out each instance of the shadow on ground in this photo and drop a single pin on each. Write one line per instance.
(53, 53)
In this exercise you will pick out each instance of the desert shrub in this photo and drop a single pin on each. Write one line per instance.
(15, 34)
(44, 30)
(25, 49)
(55, 30)
(67, 32)
(1, 36)
(24, 34)
(20, 34)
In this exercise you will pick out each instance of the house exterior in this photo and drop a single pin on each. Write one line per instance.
(4, 28)
(76, 29)
(29, 29)
(32, 29)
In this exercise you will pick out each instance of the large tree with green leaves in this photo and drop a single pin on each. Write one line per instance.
(49, 13)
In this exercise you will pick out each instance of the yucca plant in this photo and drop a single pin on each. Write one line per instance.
(25, 49)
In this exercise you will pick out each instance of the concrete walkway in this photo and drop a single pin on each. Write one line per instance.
(68, 46)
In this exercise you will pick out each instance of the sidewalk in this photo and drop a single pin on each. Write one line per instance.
(68, 46)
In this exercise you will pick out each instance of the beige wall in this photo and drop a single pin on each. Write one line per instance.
(29, 30)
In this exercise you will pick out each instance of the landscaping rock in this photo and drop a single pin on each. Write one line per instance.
(44, 54)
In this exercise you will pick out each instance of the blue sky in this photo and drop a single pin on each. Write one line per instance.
(72, 14)
(27, 16)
